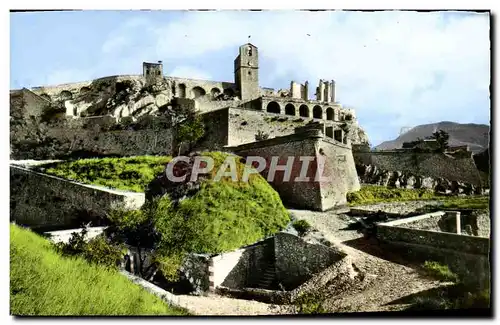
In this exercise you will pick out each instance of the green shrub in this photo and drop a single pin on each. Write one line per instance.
(97, 250)
(221, 216)
(311, 303)
(302, 227)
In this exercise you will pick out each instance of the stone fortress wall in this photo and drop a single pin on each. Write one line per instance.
(452, 168)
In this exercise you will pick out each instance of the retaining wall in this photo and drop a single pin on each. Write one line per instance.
(43, 201)
(468, 256)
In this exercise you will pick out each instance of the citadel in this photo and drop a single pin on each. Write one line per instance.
(121, 116)
(95, 119)
(234, 112)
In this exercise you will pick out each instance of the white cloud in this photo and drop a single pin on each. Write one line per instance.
(408, 66)
(115, 44)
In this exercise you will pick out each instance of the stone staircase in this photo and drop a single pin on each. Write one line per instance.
(266, 279)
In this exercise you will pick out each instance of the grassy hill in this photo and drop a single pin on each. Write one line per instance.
(43, 283)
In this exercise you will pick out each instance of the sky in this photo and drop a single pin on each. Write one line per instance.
(397, 69)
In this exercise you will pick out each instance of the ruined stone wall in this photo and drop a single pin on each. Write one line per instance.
(44, 201)
(297, 261)
(245, 124)
(185, 88)
(115, 143)
(435, 165)
(54, 91)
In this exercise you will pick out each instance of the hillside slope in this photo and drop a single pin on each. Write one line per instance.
(474, 135)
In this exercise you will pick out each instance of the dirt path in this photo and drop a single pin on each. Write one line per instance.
(213, 305)
(386, 278)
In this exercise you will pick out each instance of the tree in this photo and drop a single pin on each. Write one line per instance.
(189, 131)
(412, 144)
(441, 138)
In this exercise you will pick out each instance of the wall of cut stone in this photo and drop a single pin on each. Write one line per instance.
(313, 193)
(341, 170)
(297, 261)
(43, 201)
(305, 194)
(435, 165)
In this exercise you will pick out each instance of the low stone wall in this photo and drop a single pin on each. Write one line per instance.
(468, 256)
(470, 223)
(43, 201)
(297, 261)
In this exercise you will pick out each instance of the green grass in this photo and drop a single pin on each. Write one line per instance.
(472, 202)
(222, 216)
(130, 173)
(455, 296)
(372, 194)
(439, 271)
(44, 283)
(225, 215)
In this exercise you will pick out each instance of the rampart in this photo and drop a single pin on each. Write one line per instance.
(329, 160)
(435, 165)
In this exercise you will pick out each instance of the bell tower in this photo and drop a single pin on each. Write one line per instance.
(246, 72)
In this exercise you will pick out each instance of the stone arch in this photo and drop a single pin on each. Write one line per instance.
(198, 92)
(317, 112)
(329, 114)
(45, 96)
(66, 95)
(182, 91)
(289, 109)
(215, 92)
(273, 107)
(229, 92)
(304, 110)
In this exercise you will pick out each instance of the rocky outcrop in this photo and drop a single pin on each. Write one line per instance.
(370, 174)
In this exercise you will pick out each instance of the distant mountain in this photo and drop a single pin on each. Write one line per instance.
(474, 135)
